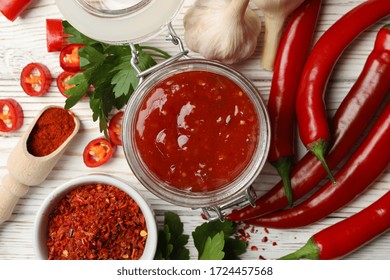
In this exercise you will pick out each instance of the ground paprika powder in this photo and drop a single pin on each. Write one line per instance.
(52, 129)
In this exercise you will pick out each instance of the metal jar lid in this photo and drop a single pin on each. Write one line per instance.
(119, 21)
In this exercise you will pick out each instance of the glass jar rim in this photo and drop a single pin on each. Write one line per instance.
(112, 9)
(135, 24)
(216, 197)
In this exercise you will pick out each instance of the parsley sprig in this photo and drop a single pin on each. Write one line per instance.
(107, 77)
(213, 240)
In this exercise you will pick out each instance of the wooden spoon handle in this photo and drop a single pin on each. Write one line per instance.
(10, 192)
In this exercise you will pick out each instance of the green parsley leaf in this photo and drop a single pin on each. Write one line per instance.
(124, 81)
(213, 247)
(90, 57)
(171, 240)
(80, 80)
(76, 36)
(108, 71)
(233, 247)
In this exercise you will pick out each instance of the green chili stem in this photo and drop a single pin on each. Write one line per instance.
(283, 166)
(318, 148)
(309, 251)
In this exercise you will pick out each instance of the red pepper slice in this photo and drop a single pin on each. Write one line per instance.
(55, 39)
(11, 115)
(115, 129)
(11, 9)
(98, 152)
(62, 80)
(35, 79)
(69, 58)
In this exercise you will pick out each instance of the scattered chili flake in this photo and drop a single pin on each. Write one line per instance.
(266, 230)
(253, 229)
(96, 221)
(254, 248)
(261, 258)
(265, 239)
(274, 243)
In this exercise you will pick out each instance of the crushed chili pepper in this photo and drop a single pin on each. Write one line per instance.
(96, 222)
(52, 129)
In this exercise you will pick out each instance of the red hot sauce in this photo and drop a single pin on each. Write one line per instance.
(197, 130)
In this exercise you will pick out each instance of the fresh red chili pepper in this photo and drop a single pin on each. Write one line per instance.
(346, 236)
(11, 9)
(98, 152)
(115, 129)
(368, 162)
(290, 60)
(55, 39)
(35, 79)
(310, 107)
(11, 115)
(69, 58)
(353, 115)
(62, 80)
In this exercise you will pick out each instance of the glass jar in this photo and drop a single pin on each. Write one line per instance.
(225, 196)
(120, 21)
(128, 21)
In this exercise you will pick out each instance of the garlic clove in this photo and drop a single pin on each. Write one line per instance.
(223, 30)
(275, 13)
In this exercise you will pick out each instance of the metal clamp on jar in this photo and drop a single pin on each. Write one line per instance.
(183, 163)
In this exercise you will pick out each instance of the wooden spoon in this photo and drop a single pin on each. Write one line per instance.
(27, 170)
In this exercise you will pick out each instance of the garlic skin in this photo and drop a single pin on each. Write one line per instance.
(223, 30)
(275, 13)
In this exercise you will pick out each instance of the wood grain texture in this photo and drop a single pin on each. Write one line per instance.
(24, 41)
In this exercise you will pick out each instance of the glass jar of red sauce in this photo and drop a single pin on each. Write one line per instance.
(196, 134)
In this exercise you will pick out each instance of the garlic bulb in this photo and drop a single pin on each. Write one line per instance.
(224, 30)
(275, 13)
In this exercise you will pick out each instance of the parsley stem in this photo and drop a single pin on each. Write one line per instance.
(161, 52)
(157, 55)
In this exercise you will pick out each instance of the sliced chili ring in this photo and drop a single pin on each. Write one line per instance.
(35, 79)
(69, 58)
(55, 39)
(11, 115)
(115, 129)
(62, 80)
(98, 152)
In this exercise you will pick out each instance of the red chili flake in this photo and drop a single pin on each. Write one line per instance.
(97, 222)
(253, 229)
(266, 230)
(261, 258)
(274, 243)
(254, 248)
(203, 216)
(265, 239)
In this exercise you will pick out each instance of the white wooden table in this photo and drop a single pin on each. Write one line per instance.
(24, 41)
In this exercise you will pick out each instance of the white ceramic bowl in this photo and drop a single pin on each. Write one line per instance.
(41, 221)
